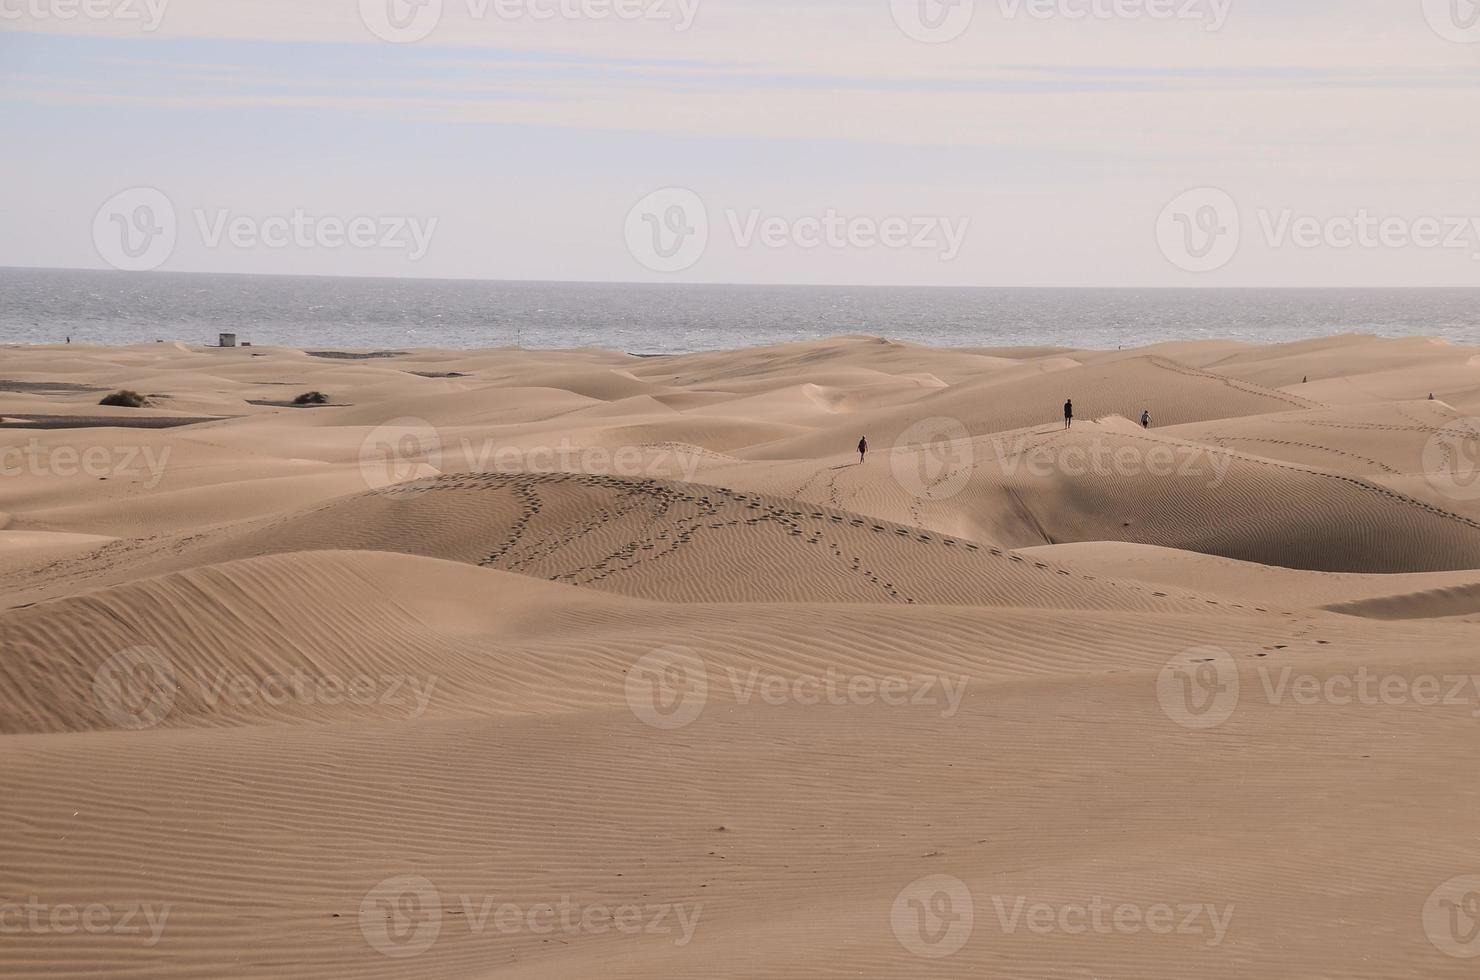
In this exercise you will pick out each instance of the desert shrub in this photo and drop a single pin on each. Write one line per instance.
(125, 398)
(312, 398)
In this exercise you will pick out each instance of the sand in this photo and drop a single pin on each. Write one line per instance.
(563, 664)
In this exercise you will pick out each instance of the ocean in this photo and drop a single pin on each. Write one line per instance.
(98, 307)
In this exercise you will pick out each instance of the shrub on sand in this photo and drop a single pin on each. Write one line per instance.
(125, 398)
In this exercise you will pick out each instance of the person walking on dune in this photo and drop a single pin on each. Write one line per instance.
(862, 449)
(1146, 419)
(1068, 413)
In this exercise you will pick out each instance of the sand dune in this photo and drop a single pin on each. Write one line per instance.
(548, 664)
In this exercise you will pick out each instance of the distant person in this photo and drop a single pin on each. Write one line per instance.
(1068, 413)
(862, 449)
(1431, 396)
(1146, 419)
(69, 340)
(1305, 380)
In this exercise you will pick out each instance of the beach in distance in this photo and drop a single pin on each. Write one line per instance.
(830, 658)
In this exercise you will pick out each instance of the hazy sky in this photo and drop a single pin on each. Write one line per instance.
(994, 142)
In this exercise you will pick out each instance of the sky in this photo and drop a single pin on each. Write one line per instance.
(925, 142)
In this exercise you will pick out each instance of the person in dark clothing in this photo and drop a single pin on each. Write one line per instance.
(862, 449)
(1146, 419)
(1068, 413)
